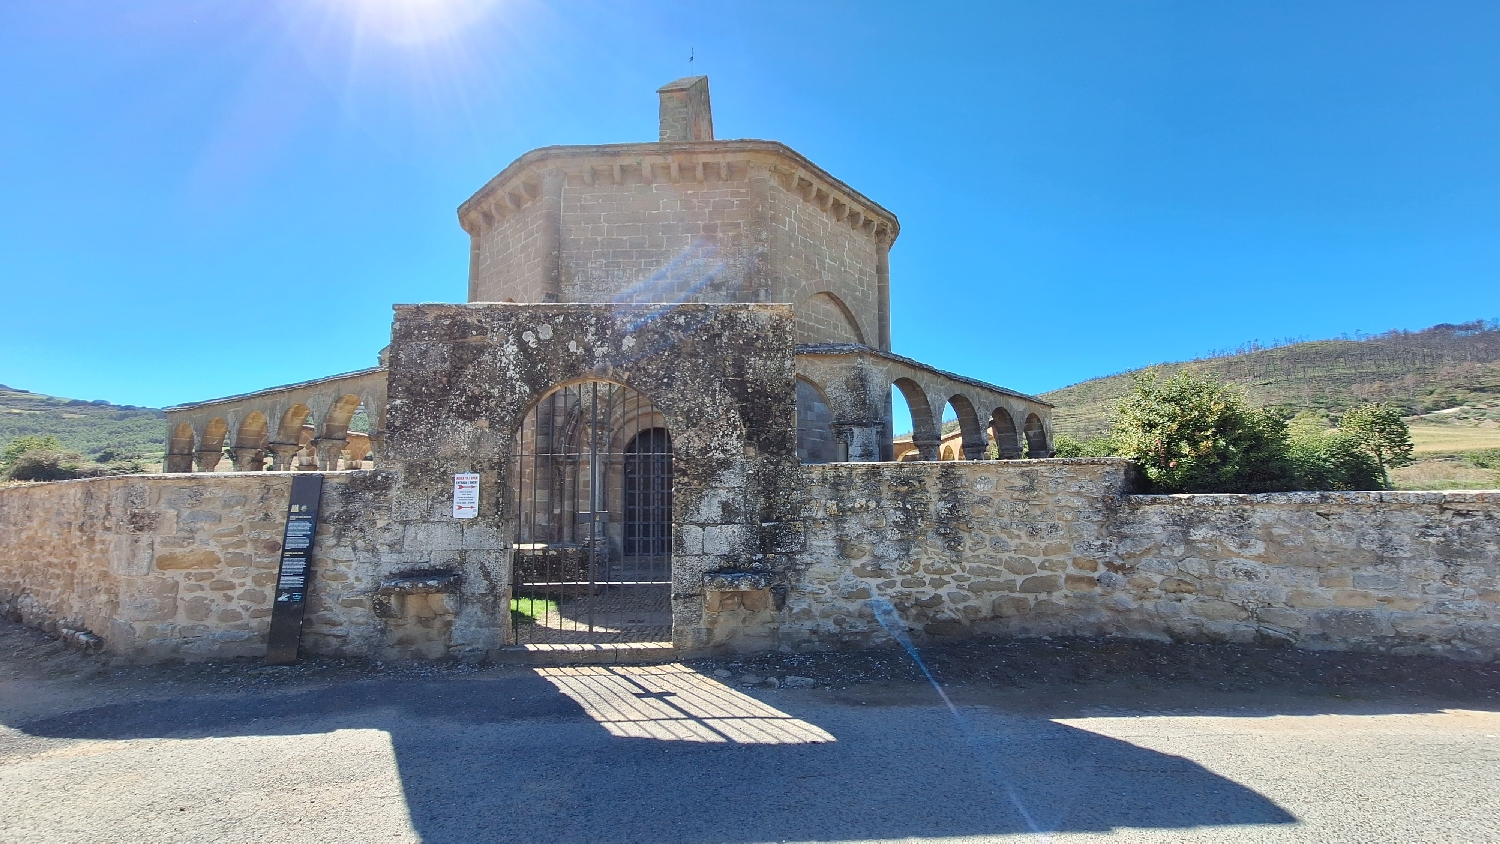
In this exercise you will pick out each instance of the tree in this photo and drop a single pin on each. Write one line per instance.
(1380, 432)
(1197, 434)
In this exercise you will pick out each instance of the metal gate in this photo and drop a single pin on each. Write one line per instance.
(593, 552)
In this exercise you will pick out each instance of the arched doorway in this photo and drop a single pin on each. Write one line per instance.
(593, 552)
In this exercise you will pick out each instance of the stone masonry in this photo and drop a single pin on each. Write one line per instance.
(181, 566)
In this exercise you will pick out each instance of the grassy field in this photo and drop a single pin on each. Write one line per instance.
(1434, 440)
(1444, 473)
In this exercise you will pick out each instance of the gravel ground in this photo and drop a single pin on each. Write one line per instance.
(1059, 740)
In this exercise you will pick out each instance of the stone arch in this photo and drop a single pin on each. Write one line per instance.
(333, 436)
(250, 442)
(336, 420)
(816, 442)
(1004, 434)
(974, 444)
(1036, 438)
(290, 436)
(180, 443)
(924, 431)
(591, 494)
(947, 453)
(824, 318)
(211, 444)
(289, 428)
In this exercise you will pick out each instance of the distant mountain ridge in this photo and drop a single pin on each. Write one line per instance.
(1421, 371)
(96, 429)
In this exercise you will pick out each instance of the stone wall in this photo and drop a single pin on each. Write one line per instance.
(1060, 547)
(767, 555)
(181, 566)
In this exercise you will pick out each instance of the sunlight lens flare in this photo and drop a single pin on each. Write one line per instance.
(415, 22)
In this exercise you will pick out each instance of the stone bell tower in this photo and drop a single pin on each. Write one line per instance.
(685, 111)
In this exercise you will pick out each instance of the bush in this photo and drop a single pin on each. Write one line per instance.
(1331, 460)
(1069, 446)
(48, 465)
(1488, 458)
(20, 445)
(1193, 434)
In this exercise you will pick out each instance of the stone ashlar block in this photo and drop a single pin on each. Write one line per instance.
(1042, 583)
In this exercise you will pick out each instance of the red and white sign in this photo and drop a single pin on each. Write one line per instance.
(465, 495)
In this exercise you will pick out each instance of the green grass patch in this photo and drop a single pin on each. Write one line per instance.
(525, 610)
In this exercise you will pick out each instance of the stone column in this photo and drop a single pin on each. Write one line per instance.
(247, 459)
(976, 451)
(859, 441)
(284, 453)
(208, 460)
(928, 448)
(178, 463)
(328, 450)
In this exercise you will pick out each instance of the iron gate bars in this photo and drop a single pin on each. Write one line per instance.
(592, 560)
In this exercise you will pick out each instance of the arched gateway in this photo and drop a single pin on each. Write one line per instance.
(593, 559)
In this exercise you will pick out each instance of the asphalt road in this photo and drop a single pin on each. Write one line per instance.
(348, 752)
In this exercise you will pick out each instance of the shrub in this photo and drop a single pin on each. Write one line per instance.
(48, 465)
(1331, 459)
(1488, 458)
(1194, 434)
(1066, 445)
(31, 442)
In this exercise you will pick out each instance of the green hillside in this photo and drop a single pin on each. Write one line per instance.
(96, 429)
(1445, 366)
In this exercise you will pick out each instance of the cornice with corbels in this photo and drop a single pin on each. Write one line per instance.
(521, 183)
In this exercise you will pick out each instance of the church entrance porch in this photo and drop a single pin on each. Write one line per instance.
(593, 552)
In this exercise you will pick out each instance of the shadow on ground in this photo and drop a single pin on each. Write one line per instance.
(535, 757)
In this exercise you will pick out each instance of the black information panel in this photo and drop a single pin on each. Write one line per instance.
(291, 582)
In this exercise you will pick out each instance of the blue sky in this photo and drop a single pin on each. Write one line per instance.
(204, 198)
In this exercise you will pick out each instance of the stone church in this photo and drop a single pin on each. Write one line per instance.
(661, 426)
(656, 336)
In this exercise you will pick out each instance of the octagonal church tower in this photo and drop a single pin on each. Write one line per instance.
(686, 219)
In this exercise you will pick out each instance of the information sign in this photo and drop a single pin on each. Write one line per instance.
(291, 580)
(465, 495)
